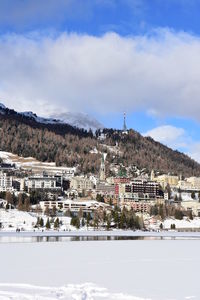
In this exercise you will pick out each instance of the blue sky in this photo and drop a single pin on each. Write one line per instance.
(104, 57)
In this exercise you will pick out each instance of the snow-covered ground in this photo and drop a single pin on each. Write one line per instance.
(157, 270)
(30, 162)
(185, 223)
(12, 219)
(153, 223)
(80, 291)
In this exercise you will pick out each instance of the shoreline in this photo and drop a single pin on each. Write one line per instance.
(101, 233)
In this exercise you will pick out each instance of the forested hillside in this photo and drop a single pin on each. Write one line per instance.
(144, 152)
(72, 146)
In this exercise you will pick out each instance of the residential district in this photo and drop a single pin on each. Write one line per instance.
(58, 198)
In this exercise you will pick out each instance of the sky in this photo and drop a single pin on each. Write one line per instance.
(104, 57)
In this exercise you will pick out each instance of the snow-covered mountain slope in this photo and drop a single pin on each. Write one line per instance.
(79, 120)
(32, 115)
(2, 108)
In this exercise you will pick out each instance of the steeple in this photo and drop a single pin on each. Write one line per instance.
(102, 174)
(124, 126)
(152, 175)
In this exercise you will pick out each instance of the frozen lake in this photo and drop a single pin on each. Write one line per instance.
(142, 269)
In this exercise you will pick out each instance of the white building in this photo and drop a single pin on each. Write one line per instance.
(5, 182)
(42, 182)
(73, 206)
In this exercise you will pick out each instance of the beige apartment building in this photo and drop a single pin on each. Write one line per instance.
(164, 180)
(81, 184)
(191, 183)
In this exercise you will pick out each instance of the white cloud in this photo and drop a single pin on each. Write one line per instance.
(169, 135)
(194, 151)
(176, 138)
(158, 73)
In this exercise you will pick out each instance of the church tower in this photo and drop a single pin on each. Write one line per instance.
(152, 175)
(102, 175)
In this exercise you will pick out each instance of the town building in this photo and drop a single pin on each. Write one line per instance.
(138, 190)
(189, 184)
(105, 189)
(81, 184)
(44, 182)
(138, 206)
(73, 206)
(165, 180)
(5, 182)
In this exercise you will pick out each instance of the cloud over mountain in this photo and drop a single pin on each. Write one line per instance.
(51, 73)
(176, 138)
(169, 135)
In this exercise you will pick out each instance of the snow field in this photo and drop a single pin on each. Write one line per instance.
(125, 270)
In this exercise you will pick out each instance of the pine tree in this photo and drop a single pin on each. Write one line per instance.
(41, 222)
(82, 222)
(48, 226)
(178, 214)
(80, 213)
(47, 211)
(88, 219)
(161, 211)
(122, 222)
(96, 221)
(108, 223)
(173, 226)
(20, 202)
(54, 210)
(27, 204)
(9, 198)
(38, 222)
(179, 197)
(168, 191)
(176, 198)
(56, 223)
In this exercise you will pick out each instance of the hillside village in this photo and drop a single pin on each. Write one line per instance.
(98, 186)
(43, 196)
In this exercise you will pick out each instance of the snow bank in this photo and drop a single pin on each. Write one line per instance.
(87, 291)
(13, 218)
(185, 223)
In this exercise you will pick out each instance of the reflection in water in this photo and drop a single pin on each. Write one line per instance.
(39, 239)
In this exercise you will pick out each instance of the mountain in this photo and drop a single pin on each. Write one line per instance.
(51, 139)
(31, 115)
(78, 120)
(31, 119)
